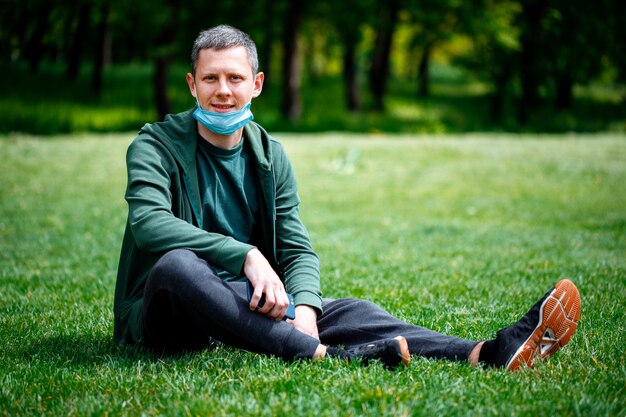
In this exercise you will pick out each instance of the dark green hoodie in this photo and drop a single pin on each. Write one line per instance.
(164, 213)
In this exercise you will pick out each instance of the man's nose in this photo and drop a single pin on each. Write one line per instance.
(223, 89)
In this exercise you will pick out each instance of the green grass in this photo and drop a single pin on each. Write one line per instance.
(457, 233)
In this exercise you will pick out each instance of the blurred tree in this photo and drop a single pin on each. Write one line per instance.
(148, 30)
(548, 46)
(434, 21)
(101, 49)
(33, 50)
(80, 21)
(379, 68)
(291, 106)
(15, 25)
(345, 20)
(532, 37)
(269, 36)
(533, 49)
(616, 27)
(563, 43)
(351, 37)
(577, 36)
(165, 43)
(348, 16)
(495, 46)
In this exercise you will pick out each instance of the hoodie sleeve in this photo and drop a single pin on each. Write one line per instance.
(160, 214)
(298, 261)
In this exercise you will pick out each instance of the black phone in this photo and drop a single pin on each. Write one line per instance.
(291, 310)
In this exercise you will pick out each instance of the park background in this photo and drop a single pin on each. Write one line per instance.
(454, 159)
(392, 66)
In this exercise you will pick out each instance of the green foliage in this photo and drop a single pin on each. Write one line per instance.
(49, 104)
(459, 234)
(519, 49)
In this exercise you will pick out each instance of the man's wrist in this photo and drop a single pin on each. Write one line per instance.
(308, 298)
(306, 309)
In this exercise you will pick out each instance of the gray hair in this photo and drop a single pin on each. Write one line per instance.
(223, 37)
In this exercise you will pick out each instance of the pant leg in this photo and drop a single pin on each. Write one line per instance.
(187, 306)
(352, 322)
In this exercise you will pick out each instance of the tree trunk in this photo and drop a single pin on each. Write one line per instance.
(497, 99)
(353, 99)
(564, 92)
(33, 50)
(423, 75)
(78, 37)
(266, 49)
(162, 61)
(101, 49)
(161, 69)
(291, 105)
(379, 70)
(532, 15)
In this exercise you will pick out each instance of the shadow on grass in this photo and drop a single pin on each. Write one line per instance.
(92, 350)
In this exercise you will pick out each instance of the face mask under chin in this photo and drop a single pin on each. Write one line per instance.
(223, 123)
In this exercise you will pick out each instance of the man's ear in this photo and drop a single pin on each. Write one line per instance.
(191, 84)
(258, 84)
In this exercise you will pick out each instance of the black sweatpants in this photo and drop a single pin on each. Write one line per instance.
(187, 306)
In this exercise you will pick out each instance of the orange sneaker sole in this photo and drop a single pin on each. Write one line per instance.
(558, 319)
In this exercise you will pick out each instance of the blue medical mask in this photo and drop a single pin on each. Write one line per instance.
(223, 123)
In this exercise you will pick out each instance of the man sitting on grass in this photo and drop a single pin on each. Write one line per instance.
(213, 204)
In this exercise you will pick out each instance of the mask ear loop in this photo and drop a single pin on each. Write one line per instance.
(195, 90)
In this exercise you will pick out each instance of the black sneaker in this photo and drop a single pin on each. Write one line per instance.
(548, 326)
(391, 352)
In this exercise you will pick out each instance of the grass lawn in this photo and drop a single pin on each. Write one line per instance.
(459, 234)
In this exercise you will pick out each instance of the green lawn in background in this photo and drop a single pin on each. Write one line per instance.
(460, 234)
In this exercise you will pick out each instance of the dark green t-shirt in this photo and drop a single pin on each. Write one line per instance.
(229, 193)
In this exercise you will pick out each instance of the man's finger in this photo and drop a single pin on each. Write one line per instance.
(280, 306)
(256, 298)
(269, 303)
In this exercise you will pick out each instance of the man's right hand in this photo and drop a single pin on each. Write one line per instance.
(265, 282)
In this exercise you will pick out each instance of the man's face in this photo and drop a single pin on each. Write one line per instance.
(224, 81)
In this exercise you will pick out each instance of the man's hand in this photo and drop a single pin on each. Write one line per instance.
(265, 282)
(306, 320)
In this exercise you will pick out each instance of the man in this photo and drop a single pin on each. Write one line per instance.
(213, 205)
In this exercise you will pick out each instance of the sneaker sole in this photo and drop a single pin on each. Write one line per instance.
(404, 353)
(558, 317)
